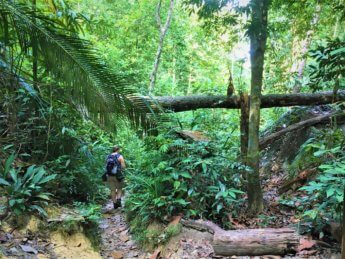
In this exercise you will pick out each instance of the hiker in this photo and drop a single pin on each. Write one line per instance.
(115, 164)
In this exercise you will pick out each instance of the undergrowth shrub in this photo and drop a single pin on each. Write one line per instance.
(24, 191)
(176, 176)
(79, 172)
(322, 198)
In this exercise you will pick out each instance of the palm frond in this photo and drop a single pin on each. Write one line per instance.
(73, 61)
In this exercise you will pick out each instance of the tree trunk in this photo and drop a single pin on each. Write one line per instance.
(248, 242)
(305, 47)
(34, 49)
(194, 102)
(343, 234)
(162, 32)
(252, 242)
(258, 37)
(244, 127)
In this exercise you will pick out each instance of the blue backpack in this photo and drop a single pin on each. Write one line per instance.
(113, 165)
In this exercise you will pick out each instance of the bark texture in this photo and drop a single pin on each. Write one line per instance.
(253, 242)
(343, 234)
(244, 128)
(258, 37)
(248, 242)
(194, 102)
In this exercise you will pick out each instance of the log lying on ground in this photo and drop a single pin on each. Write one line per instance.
(268, 241)
(300, 125)
(193, 102)
(248, 242)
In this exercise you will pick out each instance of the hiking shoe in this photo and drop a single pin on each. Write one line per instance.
(116, 205)
(118, 202)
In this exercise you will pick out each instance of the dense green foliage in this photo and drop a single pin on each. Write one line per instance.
(322, 198)
(68, 72)
(179, 176)
(24, 192)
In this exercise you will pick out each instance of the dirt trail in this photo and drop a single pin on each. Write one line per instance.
(117, 242)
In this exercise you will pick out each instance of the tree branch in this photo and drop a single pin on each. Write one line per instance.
(300, 125)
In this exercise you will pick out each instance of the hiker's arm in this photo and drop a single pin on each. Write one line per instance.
(122, 161)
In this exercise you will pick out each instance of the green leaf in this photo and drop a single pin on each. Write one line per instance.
(38, 175)
(29, 173)
(319, 153)
(232, 194)
(48, 178)
(330, 192)
(12, 202)
(177, 184)
(186, 175)
(219, 207)
(204, 168)
(8, 164)
(337, 51)
(39, 209)
(4, 182)
(13, 174)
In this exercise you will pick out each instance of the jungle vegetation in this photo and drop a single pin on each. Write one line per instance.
(78, 76)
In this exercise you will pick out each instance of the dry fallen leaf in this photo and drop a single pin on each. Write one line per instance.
(156, 253)
(124, 238)
(117, 254)
(175, 220)
(306, 243)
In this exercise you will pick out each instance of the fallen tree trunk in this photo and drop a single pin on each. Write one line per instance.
(193, 102)
(268, 241)
(300, 125)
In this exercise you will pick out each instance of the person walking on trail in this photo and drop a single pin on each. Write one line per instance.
(115, 164)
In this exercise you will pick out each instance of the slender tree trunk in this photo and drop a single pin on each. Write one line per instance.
(162, 33)
(34, 49)
(244, 131)
(244, 128)
(305, 47)
(343, 235)
(258, 37)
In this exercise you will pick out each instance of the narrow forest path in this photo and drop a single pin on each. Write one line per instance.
(116, 241)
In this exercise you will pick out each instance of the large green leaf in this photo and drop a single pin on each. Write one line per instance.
(4, 182)
(8, 164)
(97, 91)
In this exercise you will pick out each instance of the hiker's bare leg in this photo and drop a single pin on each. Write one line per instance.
(113, 195)
(119, 193)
